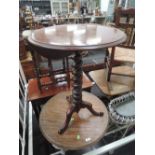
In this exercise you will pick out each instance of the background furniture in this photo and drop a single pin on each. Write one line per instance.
(125, 57)
(95, 59)
(111, 80)
(116, 86)
(57, 77)
(124, 20)
(40, 7)
(60, 6)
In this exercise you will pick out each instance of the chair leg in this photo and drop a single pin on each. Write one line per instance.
(37, 71)
(111, 63)
(51, 70)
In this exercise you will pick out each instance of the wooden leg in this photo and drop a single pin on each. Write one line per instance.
(75, 100)
(37, 71)
(90, 108)
(111, 63)
(69, 113)
(51, 70)
(76, 108)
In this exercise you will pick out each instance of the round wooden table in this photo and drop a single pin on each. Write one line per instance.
(62, 40)
(84, 129)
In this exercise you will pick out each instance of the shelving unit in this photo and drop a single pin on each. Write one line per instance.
(59, 6)
(38, 6)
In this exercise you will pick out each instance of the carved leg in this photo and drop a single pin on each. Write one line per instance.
(75, 100)
(90, 108)
(68, 118)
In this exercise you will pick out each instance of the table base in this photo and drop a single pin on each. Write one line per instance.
(76, 108)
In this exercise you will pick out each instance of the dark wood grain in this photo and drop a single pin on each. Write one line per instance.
(62, 40)
(89, 127)
(22, 49)
(126, 13)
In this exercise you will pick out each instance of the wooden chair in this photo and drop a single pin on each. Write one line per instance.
(50, 75)
(125, 20)
(125, 53)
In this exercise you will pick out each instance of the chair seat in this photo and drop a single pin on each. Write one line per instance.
(116, 86)
(123, 70)
(124, 54)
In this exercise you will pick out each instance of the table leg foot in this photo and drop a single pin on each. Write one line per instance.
(75, 108)
(69, 114)
(90, 108)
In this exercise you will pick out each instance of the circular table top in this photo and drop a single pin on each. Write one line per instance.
(84, 130)
(77, 37)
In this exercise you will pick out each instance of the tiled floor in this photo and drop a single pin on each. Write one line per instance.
(42, 147)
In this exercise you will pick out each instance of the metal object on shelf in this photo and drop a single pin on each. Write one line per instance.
(122, 109)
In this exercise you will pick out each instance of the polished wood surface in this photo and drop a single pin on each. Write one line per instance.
(117, 85)
(84, 130)
(75, 37)
(34, 92)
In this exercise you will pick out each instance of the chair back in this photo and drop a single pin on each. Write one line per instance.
(125, 20)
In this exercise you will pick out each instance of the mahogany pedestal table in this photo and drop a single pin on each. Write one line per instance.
(63, 40)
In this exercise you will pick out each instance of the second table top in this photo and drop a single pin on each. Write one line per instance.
(84, 129)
